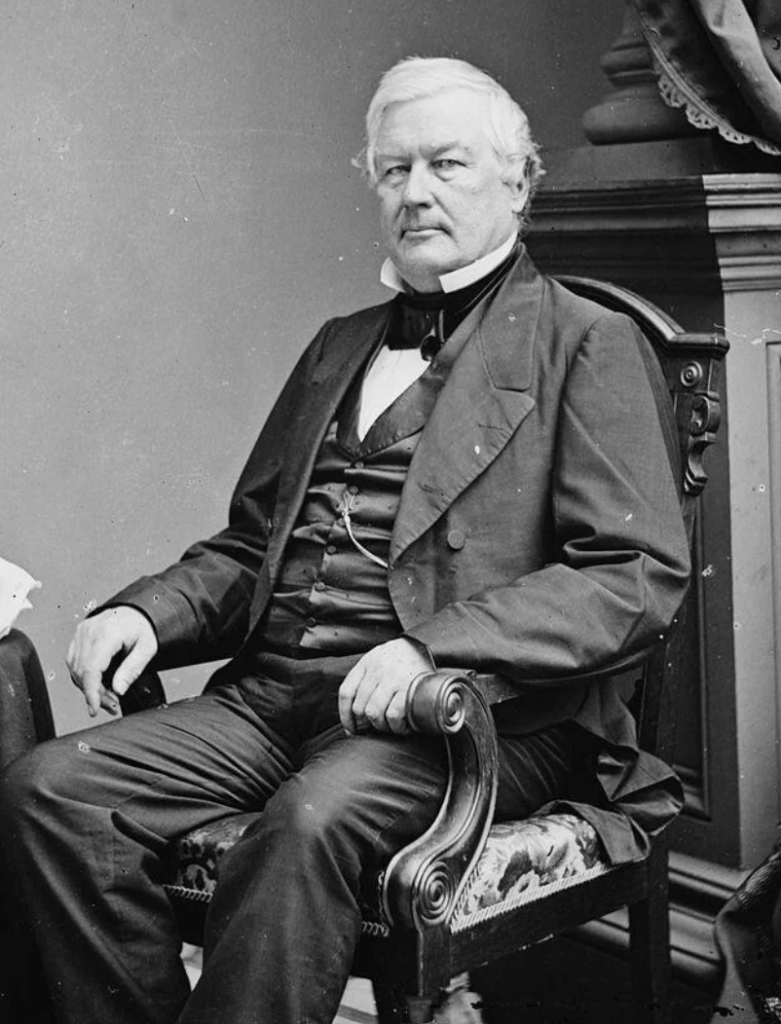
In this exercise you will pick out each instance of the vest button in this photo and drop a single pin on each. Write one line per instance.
(456, 539)
(352, 489)
(310, 623)
(319, 585)
(359, 464)
(330, 549)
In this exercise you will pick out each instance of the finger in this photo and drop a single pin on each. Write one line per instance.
(131, 668)
(368, 707)
(70, 657)
(109, 702)
(92, 686)
(346, 695)
(395, 716)
(89, 652)
(75, 676)
(378, 705)
(77, 658)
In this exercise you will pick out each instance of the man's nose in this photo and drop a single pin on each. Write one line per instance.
(417, 189)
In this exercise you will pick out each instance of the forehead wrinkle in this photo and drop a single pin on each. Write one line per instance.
(429, 150)
(438, 148)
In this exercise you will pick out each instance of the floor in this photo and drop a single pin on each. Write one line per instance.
(357, 1004)
(558, 982)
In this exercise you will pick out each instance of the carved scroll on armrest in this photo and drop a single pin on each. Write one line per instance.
(422, 881)
(692, 370)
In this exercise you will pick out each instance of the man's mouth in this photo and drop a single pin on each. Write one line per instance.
(421, 230)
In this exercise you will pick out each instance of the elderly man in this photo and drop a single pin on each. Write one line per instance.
(472, 475)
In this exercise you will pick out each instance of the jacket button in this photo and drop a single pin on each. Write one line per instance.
(456, 539)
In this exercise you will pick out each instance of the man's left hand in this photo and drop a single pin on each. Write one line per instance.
(374, 693)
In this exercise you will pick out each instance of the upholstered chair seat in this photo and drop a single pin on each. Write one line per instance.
(522, 861)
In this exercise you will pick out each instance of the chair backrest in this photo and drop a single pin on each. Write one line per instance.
(690, 366)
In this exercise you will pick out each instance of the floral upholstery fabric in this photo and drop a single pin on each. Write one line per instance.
(519, 860)
(195, 857)
(522, 859)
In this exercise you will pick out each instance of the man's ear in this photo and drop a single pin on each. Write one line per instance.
(519, 193)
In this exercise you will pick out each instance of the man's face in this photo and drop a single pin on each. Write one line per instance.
(443, 203)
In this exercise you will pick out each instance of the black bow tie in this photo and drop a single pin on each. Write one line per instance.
(417, 325)
(426, 321)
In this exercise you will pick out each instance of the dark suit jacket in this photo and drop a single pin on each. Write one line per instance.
(539, 534)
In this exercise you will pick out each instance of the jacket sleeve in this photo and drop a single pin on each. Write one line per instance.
(199, 606)
(618, 565)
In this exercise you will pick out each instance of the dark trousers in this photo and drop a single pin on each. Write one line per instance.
(90, 816)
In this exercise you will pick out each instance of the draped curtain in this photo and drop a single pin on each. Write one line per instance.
(720, 60)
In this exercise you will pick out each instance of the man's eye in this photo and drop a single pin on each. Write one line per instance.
(447, 164)
(395, 171)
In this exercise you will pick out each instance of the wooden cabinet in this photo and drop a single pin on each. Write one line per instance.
(696, 227)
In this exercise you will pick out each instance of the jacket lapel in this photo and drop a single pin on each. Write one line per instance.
(479, 409)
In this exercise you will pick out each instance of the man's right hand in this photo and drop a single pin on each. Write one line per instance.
(97, 642)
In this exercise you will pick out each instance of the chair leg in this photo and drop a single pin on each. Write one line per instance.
(421, 1011)
(458, 1006)
(649, 931)
(394, 1006)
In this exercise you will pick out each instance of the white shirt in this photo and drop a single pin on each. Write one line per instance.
(393, 370)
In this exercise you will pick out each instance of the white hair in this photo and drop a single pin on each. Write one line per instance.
(415, 78)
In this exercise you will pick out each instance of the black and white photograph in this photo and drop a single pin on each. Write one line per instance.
(390, 563)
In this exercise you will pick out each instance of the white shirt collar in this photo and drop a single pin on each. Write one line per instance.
(455, 279)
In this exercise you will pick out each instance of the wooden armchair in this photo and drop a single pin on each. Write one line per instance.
(468, 892)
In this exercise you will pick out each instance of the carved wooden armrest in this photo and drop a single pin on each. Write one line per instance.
(423, 881)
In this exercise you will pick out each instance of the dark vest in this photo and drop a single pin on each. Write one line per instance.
(330, 597)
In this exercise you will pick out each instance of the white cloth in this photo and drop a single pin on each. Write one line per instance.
(454, 279)
(15, 585)
(390, 374)
(393, 370)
